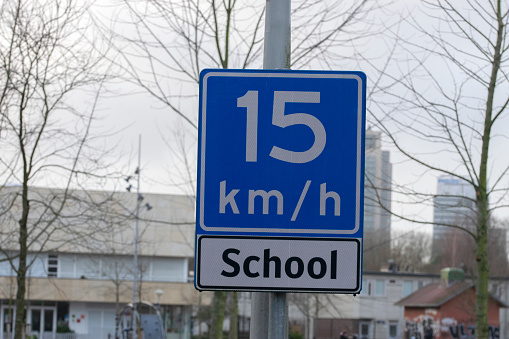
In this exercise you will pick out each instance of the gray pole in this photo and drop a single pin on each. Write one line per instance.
(276, 48)
(259, 326)
(268, 310)
(277, 316)
(135, 273)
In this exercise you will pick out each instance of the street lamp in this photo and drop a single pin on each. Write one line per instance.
(159, 293)
(139, 199)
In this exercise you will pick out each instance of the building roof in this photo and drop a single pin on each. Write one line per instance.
(399, 274)
(436, 294)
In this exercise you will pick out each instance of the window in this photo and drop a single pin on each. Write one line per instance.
(8, 317)
(366, 288)
(35, 326)
(408, 288)
(393, 329)
(52, 265)
(48, 320)
(41, 321)
(497, 289)
(364, 330)
(379, 287)
(373, 288)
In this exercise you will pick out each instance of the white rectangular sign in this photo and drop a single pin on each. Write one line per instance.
(278, 263)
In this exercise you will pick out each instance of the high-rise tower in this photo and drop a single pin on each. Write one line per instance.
(377, 202)
(454, 204)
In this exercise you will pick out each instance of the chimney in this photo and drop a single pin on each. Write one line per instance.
(451, 275)
(392, 266)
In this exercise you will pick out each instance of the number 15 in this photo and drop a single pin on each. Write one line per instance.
(250, 101)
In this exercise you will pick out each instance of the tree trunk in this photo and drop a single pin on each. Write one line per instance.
(483, 270)
(22, 266)
(308, 316)
(20, 298)
(234, 318)
(200, 318)
(219, 303)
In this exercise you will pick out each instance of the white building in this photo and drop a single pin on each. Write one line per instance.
(372, 314)
(84, 273)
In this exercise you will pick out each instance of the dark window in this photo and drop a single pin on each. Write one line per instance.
(52, 265)
(48, 320)
(36, 321)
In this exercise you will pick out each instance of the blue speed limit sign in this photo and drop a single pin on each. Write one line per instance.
(281, 156)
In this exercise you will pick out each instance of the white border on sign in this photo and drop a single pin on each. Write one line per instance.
(349, 280)
(281, 75)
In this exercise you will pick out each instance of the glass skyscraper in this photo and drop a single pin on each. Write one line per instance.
(454, 204)
(377, 202)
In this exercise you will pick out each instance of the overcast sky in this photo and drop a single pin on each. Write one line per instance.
(141, 115)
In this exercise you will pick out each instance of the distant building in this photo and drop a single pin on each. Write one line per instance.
(446, 309)
(377, 202)
(81, 279)
(454, 204)
(372, 314)
(378, 312)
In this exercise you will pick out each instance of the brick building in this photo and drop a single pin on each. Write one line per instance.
(447, 309)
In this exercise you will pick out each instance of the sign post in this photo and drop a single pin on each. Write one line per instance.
(280, 196)
(280, 183)
(276, 55)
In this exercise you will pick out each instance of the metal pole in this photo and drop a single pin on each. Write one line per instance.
(259, 327)
(276, 44)
(135, 273)
(268, 310)
(277, 315)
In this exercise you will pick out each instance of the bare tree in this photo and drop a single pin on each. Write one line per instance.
(442, 108)
(376, 249)
(177, 40)
(110, 252)
(411, 251)
(458, 250)
(308, 304)
(165, 45)
(45, 57)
